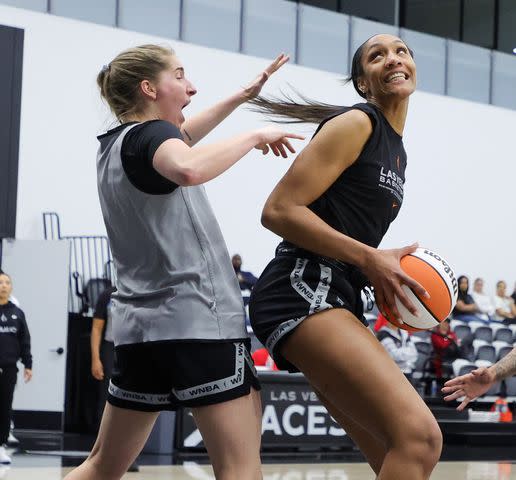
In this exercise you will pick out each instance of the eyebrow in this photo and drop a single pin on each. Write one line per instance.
(179, 68)
(381, 44)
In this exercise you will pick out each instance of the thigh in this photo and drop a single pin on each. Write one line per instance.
(231, 432)
(346, 363)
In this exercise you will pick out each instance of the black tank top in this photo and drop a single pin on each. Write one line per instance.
(367, 196)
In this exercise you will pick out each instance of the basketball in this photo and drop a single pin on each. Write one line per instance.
(436, 276)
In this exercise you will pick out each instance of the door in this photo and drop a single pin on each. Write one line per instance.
(39, 272)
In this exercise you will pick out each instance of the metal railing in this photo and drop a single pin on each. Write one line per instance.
(90, 269)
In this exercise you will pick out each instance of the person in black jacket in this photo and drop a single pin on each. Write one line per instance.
(14, 344)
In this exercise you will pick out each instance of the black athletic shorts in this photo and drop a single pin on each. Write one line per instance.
(166, 375)
(294, 285)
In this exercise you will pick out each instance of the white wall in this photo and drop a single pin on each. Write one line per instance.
(460, 178)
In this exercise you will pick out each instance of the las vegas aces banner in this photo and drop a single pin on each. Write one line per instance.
(292, 417)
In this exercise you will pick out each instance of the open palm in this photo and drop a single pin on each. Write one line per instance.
(255, 87)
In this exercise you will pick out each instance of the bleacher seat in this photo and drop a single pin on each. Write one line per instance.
(462, 367)
(503, 351)
(510, 386)
(462, 331)
(503, 334)
(484, 333)
(484, 350)
(423, 347)
(501, 346)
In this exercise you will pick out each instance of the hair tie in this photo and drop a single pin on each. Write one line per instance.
(105, 68)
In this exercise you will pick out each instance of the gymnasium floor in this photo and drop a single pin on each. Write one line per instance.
(41, 462)
(335, 471)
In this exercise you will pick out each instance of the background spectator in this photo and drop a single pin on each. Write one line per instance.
(14, 344)
(400, 347)
(246, 279)
(483, 301)
(466, 309)
(446, 349)
(505, 309)
(261, 358)
(513, 296)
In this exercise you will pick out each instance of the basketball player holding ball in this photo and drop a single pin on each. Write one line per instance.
(332, 209)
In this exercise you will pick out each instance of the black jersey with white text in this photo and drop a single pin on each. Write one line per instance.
(367, 196)
(14, 337)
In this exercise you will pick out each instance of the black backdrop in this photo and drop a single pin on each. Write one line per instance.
(11, 63)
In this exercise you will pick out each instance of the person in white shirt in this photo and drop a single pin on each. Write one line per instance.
(483, 301)
(505, 310)
(399, 346)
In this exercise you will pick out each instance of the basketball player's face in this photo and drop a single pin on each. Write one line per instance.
(5, 287)
(389, 70)
(173, 92)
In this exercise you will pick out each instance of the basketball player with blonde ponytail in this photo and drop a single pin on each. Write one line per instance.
(177, 313)
(306, 308)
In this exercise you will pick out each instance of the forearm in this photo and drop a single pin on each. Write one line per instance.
(198, 126)
(299, 225)
(95, 340)
(506, 367)
(502, 313)
(207, 162)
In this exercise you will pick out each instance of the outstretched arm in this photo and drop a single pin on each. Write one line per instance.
(198, 126)
(479, 381)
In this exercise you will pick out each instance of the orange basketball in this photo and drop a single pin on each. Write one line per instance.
(436, 276)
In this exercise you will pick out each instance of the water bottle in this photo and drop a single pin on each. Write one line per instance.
(433, 388)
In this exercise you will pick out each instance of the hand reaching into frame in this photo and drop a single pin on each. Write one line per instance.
(469, 386)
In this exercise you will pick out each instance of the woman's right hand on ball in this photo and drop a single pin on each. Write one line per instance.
(272, 138)
(386, 275)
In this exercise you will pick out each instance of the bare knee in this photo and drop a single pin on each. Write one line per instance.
(103, 468)
(421, 442)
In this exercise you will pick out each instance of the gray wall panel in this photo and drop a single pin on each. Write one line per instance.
(269, 27)
(323, 39)
(504, 80)
(97, 11)
(430, 58)
(37, 5)
(469, 72)
(159, 17)
(213, 24)
(362, 29)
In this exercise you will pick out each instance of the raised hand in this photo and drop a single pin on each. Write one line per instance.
(255, 87)
(272, 138)
(387, 277)
(470, 386)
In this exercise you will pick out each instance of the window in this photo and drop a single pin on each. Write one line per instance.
(478, 23)
(506, 25)
(442, 18)
(380, 11)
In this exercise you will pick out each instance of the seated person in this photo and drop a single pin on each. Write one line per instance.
(446, 349)
(466, 309)
(483, 301)
(513, 296)
(399, 346)
(505, 309)
(262, 360)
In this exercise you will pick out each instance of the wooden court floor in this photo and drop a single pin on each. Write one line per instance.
(336, 471)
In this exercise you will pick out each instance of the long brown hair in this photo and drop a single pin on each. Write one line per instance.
(286, 109)
(119, 81)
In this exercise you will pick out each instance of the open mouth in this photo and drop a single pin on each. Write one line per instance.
(396, 77)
